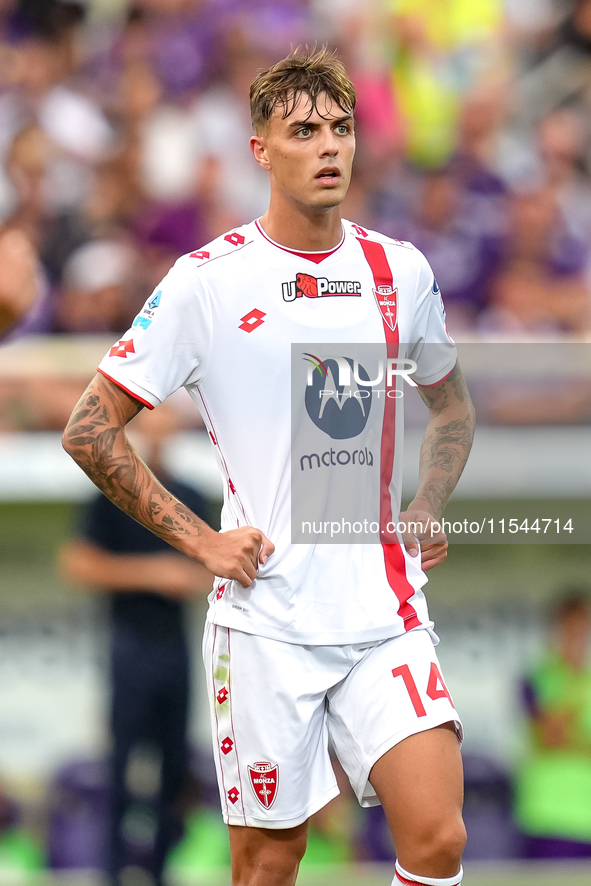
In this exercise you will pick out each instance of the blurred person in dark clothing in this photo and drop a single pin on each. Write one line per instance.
(553, 791)
(148, 586)
(97, 291)
(563, 74)
(457, 221)
(561, 145)
(49, 18)
(541, 287)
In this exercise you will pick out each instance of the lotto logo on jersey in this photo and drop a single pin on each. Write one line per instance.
(264, 778)
(316, 287)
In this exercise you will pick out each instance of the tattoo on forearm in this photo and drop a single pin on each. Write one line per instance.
(453, 388)
(438, 495)
(446, 447)
(96, 440)
(441, 448)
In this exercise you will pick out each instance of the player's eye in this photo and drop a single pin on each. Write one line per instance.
(343, 129)
(304, 132)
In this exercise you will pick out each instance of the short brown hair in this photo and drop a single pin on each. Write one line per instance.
(311, 73)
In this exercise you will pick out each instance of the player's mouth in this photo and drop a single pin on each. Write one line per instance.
(330, 175)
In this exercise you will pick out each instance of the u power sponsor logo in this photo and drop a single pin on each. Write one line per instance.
(318, 287)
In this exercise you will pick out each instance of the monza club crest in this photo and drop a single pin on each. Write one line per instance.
(386, 299)
(264, 778)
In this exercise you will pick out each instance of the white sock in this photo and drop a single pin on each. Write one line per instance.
(403, 877)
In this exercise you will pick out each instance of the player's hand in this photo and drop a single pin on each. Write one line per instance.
(433, 555)
(422, 528)
(235, 554)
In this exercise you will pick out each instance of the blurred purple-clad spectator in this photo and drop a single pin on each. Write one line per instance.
(460, 229)
(561, 146)
(179, 39)
(541, 288)
(270, 25)
(162, 233)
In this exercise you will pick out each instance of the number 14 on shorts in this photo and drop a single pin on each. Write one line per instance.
(436, 688)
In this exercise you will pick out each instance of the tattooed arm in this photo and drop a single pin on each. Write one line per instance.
(447, 441)
(95, 438)
(444, 452)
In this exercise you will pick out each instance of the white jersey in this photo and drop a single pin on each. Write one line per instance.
(222, 324)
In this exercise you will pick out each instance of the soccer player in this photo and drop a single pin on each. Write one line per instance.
(305, 643)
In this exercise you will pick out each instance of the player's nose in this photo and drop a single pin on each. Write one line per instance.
(328, 143)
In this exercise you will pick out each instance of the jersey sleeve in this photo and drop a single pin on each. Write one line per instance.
(169, 341)
(430, 345)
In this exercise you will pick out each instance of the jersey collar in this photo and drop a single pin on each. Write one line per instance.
(315, 257)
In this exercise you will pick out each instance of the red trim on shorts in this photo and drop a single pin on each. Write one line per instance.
(394, 560)
(123, 388)
(233, 730)
(316, 257)
(441, 380)
(215, 713)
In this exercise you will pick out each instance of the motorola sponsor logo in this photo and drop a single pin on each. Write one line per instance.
(342, 457)
(337, 402)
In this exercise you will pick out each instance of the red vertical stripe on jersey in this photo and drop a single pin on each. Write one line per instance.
(393, 557)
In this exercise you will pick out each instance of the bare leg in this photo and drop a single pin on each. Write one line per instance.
(420, 785)
(266, 857)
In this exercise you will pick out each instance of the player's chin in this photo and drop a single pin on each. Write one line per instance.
(330, 199)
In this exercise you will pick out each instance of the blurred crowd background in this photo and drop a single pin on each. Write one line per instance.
(124, 142)
(124, 128)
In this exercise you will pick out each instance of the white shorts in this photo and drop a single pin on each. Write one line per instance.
(276, 706)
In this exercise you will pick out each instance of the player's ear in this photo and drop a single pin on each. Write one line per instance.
(259, 149)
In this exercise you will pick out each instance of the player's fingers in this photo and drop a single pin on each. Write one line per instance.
(250, 567)
(432, 555)
(238, 566)
(267, 548)
(243, 576)
(411, 543)
(436, 537)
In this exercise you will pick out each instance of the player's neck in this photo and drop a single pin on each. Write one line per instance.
(304, 231)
